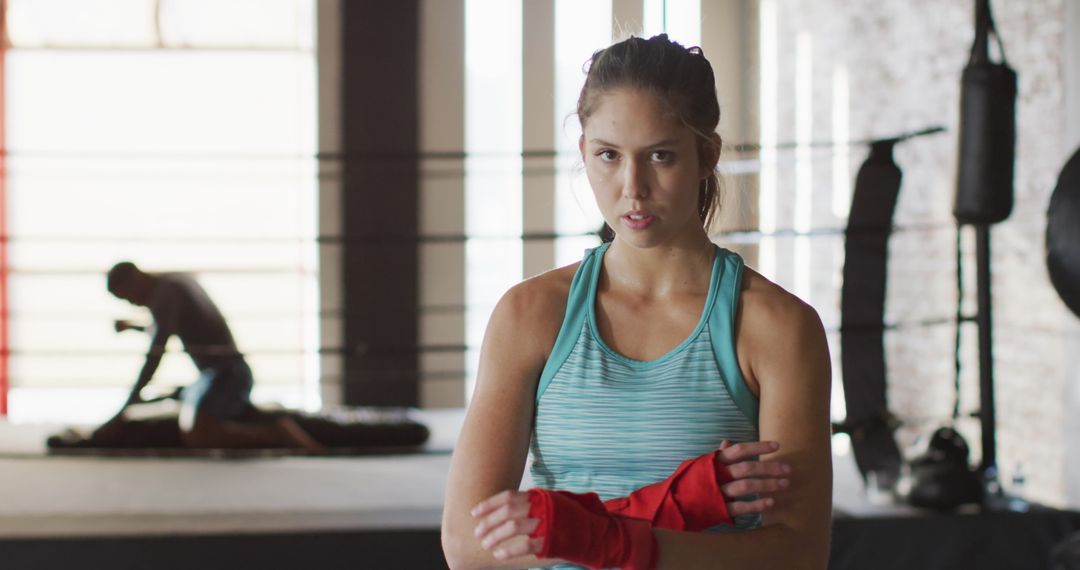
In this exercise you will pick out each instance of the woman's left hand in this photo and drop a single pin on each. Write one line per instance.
(505, 525)
(750, 476)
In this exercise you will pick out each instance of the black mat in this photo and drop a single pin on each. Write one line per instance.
(357, 432)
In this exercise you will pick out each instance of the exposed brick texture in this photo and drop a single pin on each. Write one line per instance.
(904, 61)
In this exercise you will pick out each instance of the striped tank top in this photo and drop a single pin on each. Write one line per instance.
(609, 424)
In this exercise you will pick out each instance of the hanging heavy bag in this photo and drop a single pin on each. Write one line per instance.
(984, 187)
(1063, 235)
(862, 315)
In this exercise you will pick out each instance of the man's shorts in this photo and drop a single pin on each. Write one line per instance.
(222, 391)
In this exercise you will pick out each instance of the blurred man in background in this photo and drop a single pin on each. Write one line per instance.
(216, 410)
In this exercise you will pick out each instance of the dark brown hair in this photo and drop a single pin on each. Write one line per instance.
(120, 276)
(681, 77)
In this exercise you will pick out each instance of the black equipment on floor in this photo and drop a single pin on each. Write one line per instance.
(942, 478)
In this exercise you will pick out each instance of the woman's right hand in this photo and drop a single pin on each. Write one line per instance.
(505, 528)
(750, 476)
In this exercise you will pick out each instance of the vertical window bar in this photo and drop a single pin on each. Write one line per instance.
(804, 169)
(4, 345)
(768, 108)
(493, 136)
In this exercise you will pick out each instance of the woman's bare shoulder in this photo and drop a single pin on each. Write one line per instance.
(774, 324)
(766, 305)
(542, 292)
(536, 305)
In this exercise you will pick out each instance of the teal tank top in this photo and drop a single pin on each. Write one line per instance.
(610, 424)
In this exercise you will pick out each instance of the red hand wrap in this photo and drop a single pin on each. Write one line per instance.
(577, 528)
(690, 499)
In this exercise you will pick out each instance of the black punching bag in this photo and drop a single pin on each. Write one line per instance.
(984, 187)
(1063, 235)
(862, 315)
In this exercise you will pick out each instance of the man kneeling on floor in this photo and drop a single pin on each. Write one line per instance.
(216, 410)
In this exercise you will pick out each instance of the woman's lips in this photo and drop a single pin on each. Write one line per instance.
(637, 221)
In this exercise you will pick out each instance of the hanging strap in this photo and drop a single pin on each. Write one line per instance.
(984, 26)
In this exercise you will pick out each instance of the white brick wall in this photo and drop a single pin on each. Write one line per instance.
(904, 61)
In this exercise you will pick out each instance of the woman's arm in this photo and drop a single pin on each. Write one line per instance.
(587, 531)
(784, 357)
(782, 343)
(491, 450)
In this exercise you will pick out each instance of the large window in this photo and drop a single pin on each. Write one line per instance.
(580, 29)
(493, 224)
(176, 134)
(493, 138)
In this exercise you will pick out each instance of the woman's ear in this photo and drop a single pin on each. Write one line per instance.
(581, 145)
(710, 154)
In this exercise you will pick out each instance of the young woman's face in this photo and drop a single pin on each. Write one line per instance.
(644, 168)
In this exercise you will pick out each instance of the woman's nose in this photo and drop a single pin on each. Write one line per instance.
(635, 183)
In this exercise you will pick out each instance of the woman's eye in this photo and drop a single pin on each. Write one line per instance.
(607, 155)
(661, 156)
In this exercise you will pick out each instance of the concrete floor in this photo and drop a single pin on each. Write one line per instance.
(43, 496)
(82, 496)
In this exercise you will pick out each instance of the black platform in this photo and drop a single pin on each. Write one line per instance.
(986, 541)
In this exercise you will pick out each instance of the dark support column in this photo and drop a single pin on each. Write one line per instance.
(380, 201)
(987, 417)
(5, 380)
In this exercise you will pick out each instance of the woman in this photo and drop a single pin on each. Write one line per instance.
(625, 373)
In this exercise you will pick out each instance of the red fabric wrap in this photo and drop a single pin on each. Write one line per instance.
(690, 499)
(577, 528)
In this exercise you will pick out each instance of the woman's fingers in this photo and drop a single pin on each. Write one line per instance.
(739, 508)
(507, 532)
(505, 526)
(743, 487)
(745, 450)
(510, 510)
(753, 477)
(740, 459)
(493, 502)
(518, 546)
(746, 469)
